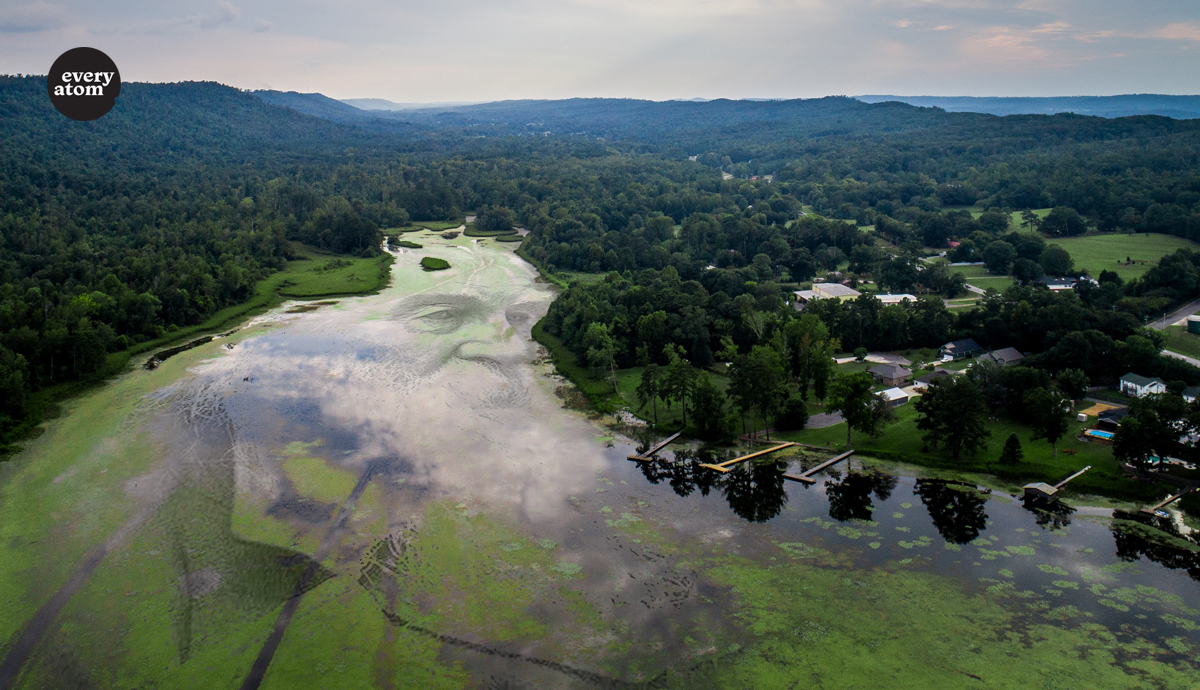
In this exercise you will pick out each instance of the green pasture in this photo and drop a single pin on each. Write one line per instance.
(1108, 252)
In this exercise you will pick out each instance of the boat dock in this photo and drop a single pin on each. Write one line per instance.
(1045, 492)
(806, 476)
(649, 455)
(1166, 501)
(728, 464)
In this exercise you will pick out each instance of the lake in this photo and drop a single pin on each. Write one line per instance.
(388, 491)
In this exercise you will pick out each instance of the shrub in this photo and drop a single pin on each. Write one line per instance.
(431, 263)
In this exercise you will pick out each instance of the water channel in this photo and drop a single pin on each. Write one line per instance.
(388, 491)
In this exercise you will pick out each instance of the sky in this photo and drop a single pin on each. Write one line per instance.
(484, 50)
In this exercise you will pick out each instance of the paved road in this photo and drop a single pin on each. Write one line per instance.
(1177, 315)
(1190, 360)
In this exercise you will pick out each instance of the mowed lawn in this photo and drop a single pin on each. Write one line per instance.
(982, 279)
(1108, 252)
(1179, 340)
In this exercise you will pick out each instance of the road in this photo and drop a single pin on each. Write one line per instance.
(1190, 360)
(1177, 315)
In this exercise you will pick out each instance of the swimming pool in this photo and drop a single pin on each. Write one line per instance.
(1106, 435)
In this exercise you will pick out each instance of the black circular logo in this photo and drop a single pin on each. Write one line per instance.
(83, 84)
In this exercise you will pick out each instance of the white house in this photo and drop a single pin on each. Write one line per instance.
(1140, 386)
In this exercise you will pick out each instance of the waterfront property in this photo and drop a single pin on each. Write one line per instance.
(923, 382)
(894, 397)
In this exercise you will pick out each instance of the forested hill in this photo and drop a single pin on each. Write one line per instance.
(1178, 107)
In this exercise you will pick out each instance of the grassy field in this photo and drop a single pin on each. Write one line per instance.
(1108, 252)
(321, 274)
(1179, 340)
(982, 279)
(437, 225)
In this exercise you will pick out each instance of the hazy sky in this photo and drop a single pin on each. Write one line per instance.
(474, 50)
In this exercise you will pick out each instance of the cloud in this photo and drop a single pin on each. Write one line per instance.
(226, 13)
(262, 26)
(38, 16)
(1178, 32)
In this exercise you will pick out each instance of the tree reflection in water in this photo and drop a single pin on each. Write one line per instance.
(850, 497)
(1157, 539)
(754, 491)
(955, 508)
(1053, 514)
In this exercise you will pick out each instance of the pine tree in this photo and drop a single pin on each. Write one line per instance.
(1012, 453)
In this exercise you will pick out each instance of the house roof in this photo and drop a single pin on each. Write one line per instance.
(1115, 415)
(933, 376)
(1141, 381)
(896, 298)
(1007, 355)
(892, 394)
(1191, 392)
(806, 295)
(967, 345)
(891, 371)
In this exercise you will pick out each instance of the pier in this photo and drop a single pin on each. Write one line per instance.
(1045, 492)
(1166, 501)
(806, 477)
(728, 464)
(649, 455)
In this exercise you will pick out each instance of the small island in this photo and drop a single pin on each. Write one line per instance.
(430, 263)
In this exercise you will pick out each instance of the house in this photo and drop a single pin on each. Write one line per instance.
(1193, 325)
(923, 382)
(1191, 393)
(1109, 420)
(894, 397)
(1006, 357)
(890, 374)
(895, 299)
(1140, 386)
(960, 349)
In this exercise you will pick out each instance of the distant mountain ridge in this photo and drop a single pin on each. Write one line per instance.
(1177, 107)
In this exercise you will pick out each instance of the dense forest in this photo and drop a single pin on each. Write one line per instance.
(122, 230)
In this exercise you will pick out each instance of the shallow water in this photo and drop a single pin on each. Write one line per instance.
(386, 492)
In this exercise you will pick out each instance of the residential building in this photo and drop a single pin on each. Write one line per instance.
(1191, 393)
(1110, 419)
(890, 374)
(1140, 386)
(960, 349)
(1007, 357)
(923, 382)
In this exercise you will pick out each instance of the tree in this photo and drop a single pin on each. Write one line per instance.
(1048, 414)
(794, 415)
(600, 351)
(1063, 221)
(882, 414)
(758, 383)
(1056, 261)
(1073, 382)
(860, 354)
(1025, 271)
(953, 413)
(680, 379)
(708, 407)
(1030, 220)
(1012, 453)
(898, 275)
(852, 396)
(648, 389)
(999, 256)
(495, 219)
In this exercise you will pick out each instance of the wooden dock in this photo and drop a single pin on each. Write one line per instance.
(1040, 491)
(806, 477)
(1166, 501)
(650, 453)
(727, 466)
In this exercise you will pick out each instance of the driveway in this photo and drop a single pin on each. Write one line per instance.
(823, 420)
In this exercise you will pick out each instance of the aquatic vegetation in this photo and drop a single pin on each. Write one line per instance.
(432, 263)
